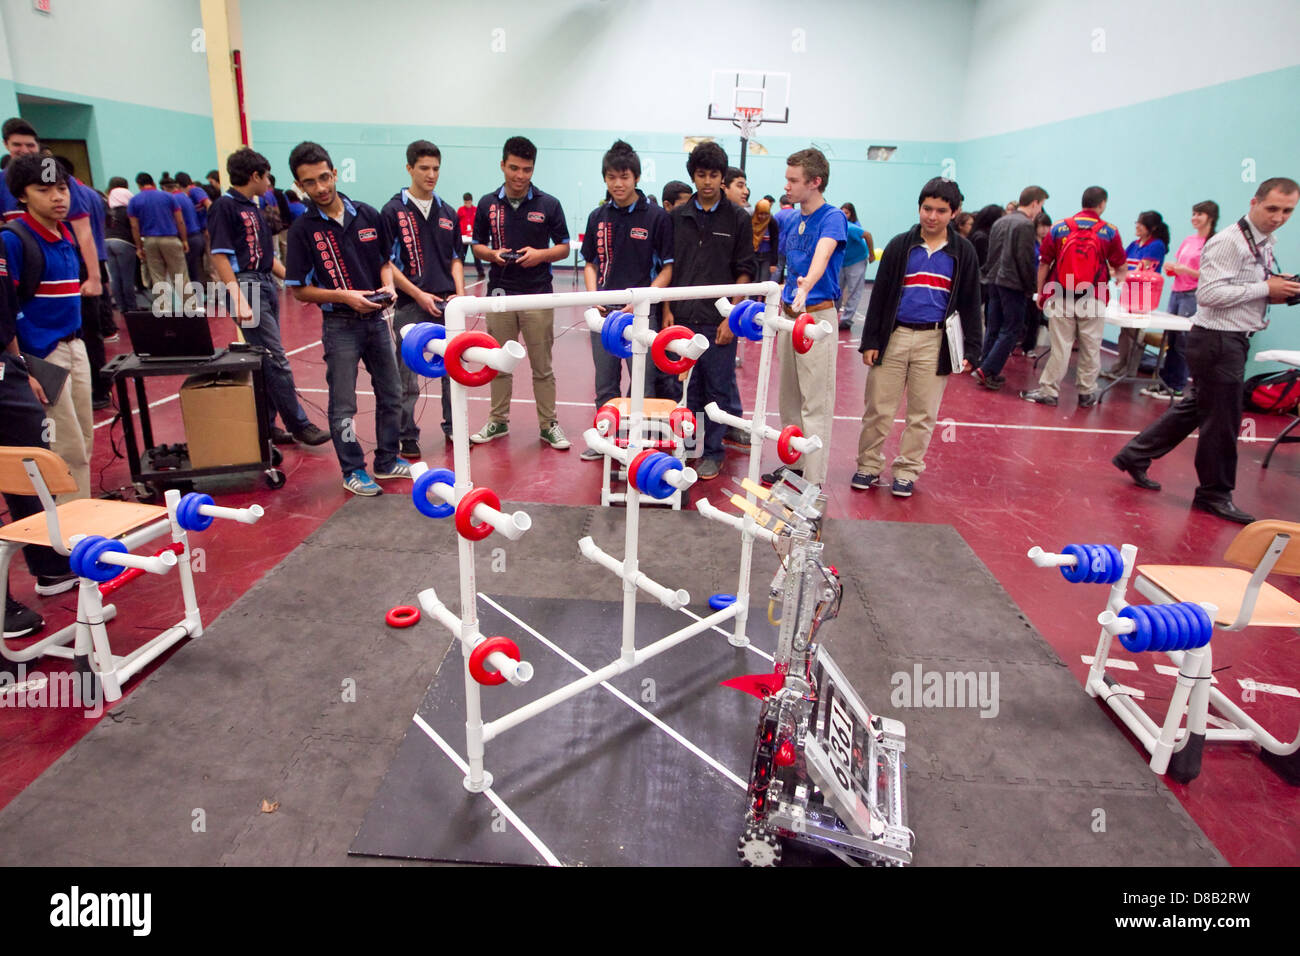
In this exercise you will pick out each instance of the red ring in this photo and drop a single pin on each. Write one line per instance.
(480, 654)
(635, 465)
(659, 350)
(465, 513)
(678, 418)
(607, 412)
(800, 339)
(783, 449)
(451, 358)
(404, 615)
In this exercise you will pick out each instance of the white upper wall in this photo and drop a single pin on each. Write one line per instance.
(134, 51)
(1033, 62)
(605, 64)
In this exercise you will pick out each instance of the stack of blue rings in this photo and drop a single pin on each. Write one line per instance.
(611, 334)
(84, 558)
(741, 320)
(650, 475)
(1166, 627)
(1093, 564)
(414, 344)
(187, 512)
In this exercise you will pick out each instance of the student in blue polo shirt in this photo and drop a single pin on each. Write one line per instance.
(49, 323)
(243, 259)
(813, 255)
(926, 275)
(339, 255)
(196, 240)
(161, 242)
(512, 230)
(626, 240)
(426, 251)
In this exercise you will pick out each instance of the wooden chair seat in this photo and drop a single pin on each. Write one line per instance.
(1224, 588)
(659, 408)
(112, 519)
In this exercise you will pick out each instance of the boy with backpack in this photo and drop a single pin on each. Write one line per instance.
(1073, 262)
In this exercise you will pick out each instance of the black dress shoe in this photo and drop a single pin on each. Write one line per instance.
(311, 435)
(1139, 475)
(281, 437)
(1223, 509)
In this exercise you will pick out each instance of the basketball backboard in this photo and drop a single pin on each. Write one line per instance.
(735, 93)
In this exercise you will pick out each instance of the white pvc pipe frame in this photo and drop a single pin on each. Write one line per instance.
(505, 358)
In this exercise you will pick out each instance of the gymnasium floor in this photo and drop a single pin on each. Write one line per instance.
(1006, 474)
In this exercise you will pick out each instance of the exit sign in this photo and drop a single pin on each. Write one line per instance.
(41, 6)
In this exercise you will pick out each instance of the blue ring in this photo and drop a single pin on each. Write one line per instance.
(1140, 639)
(1206, 624)
(187, 513)
(1113, 565)
(1178, 624)
(1098, 563)
(1079, 572)
(1117, 559)
(1190, 624)
(420, 493)
(1161, 638)
(663, 464)
(414, 344)
(752, 330)
(87, 553)
(648, 476)
(611, 334)
(734, 316)
(719, 601)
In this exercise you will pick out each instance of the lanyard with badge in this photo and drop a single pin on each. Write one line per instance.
(1268, 271)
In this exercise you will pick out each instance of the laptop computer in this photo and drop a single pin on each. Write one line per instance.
(169, 338)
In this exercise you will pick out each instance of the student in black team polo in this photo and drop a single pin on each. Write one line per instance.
(512, 230)
(427, 253)
(339, 259)
(626, 239)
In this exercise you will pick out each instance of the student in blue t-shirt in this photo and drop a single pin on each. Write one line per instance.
(1146, 253)
(786, 215)
(49, 320)
(814, 252)
(196, 238)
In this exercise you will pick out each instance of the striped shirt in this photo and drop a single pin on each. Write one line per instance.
(1233, 292)
(926, 285)
(54, 313)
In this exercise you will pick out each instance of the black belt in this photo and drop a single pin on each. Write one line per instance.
(1202, 328)
(69, 338)
(918, 326)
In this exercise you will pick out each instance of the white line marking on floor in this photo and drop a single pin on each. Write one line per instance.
(27, 686)
(1279, 689)
(1118, 663)
(524, 831)
(757, 650)
(707, 758)
(840, 418)
(1170, 671)
(1220, 722)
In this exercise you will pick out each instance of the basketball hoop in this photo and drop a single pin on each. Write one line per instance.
(747, 119)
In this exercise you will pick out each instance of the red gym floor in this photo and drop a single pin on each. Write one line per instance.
(1005, 473)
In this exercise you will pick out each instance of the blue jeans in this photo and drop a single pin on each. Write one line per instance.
(1006, 324)
(714, 380)
(122, 263)
(350, 340)
(408, 430)
(265, 334)
(1174, 373)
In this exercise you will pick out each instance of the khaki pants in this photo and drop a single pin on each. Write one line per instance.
(537, 329)
(164, 260)
(1065, 320)
(808, 394)
(71, 421)
(910, 367)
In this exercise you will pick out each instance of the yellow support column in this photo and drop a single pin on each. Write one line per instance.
(222, 34)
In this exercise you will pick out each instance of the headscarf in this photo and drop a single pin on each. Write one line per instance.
(762, 218)
(118, 196)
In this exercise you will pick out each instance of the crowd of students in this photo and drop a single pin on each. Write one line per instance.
(978, 283)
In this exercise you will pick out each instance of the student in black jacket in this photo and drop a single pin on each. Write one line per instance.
(925, 275)
(713, 244)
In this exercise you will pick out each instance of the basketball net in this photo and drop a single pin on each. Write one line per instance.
(747, 119)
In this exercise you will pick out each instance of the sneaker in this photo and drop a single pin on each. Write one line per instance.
(110, 339)
(20, 620)
(1039, 396)
(708, 468)
(902, 488)
(490, 431)
(1162, 392)
(400, 468)
(777, 473)
(281, 437)
(1111, 373)
(311, 435)
(998, 380)
(409, 448)
(863, 481)
(1089, 399)
(591, 455)
(736, 438)
(554, 436)
(360, 483)
(987, 381)
(55, 585)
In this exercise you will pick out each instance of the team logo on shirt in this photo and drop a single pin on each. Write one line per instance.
(367, 235)
(537, 217)
(445, 223)
(639, 233)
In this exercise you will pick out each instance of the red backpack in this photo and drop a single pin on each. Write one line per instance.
(1081, 259)
(1276, 392)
